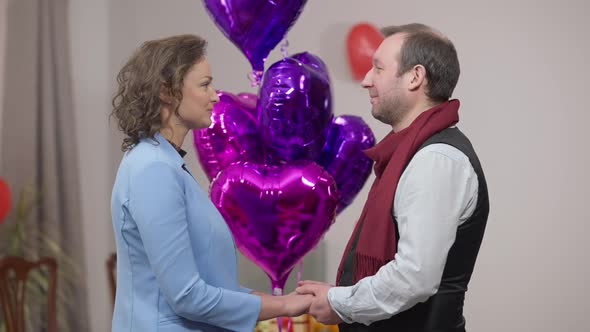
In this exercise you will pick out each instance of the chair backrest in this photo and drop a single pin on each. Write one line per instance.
(14, 272)
(112, 274)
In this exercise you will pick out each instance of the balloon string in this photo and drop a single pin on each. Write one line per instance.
(285, 48)
(278, 292)
(255, 78)
(299, 270)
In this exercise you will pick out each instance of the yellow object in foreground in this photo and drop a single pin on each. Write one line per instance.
(303, 323)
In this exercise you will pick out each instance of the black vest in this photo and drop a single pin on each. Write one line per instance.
(442, 312)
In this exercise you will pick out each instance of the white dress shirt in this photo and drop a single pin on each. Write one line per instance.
(436, 193)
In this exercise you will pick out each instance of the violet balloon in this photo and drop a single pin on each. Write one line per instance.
(276, 213)
(249, 100)
(233, 135)
(343, 156)
(255, 27)
(295, 107)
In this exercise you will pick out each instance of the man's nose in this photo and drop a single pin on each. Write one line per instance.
(368, 80)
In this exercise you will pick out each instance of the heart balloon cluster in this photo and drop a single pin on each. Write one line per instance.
(281, 165)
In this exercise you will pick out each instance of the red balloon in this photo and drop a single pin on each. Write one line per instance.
(5, 200)
(362, 42)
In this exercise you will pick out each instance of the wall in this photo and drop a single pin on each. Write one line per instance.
(2, 55)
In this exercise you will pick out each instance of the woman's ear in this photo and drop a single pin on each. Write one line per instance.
(166, 96)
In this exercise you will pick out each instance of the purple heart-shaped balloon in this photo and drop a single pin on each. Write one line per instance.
(233, 135)
(295, 107)
(255, 27)
(343, 156)
(276, 213)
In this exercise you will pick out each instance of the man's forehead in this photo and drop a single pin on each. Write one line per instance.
(389, 48)
(394, 41)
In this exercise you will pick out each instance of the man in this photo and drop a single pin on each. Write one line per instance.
(413, 250)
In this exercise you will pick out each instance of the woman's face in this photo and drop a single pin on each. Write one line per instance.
(198, 96)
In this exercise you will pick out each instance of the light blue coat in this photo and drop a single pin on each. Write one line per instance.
(176, 258)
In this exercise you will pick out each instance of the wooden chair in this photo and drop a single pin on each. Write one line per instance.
(14, 272)
(112, 274)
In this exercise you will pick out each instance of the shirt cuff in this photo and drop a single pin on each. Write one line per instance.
(245, 290)
(338, 299)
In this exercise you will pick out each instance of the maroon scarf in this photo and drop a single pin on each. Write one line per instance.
(377, 243)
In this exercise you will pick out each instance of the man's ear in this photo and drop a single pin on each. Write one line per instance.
(417, 77)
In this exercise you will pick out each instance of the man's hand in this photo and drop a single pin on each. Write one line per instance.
(297, 304)
(320, 308)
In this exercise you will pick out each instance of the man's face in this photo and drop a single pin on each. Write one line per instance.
(387, 90)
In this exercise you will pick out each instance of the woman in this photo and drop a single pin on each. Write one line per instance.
(176, 259)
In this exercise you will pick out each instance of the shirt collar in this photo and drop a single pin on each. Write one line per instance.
(169, 150)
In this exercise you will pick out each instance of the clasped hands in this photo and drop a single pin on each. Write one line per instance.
(312, 297)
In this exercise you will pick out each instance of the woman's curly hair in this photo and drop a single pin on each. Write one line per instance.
(158, 66)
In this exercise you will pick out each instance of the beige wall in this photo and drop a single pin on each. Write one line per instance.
(2, 55)
(523, 87)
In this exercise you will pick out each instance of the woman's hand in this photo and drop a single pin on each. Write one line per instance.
(297, 304)
(290, 305)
